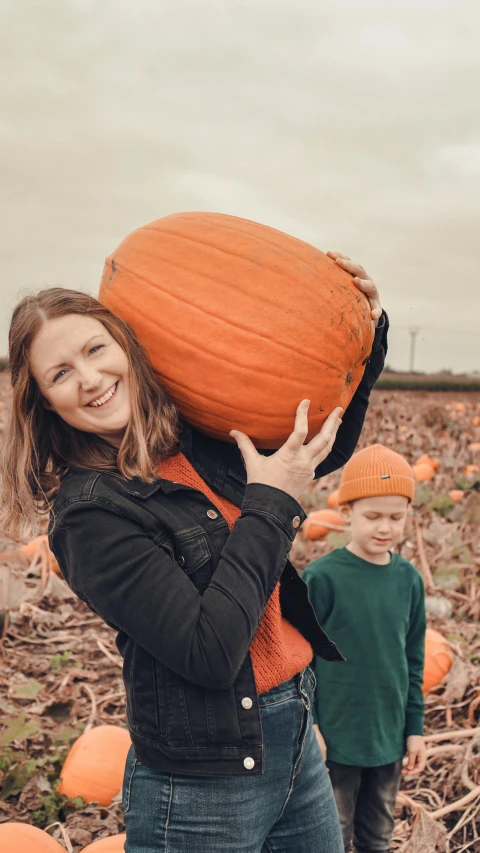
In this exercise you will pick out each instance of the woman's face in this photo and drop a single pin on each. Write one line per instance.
(83, 375)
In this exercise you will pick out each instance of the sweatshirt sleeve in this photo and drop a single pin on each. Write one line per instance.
(321, 598)
(415, 651)
(354, 416)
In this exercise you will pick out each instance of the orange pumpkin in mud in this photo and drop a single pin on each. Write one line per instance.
(319, 523)
(241, 322)
(332, 501)
(423, 472)
(25, 838)
(95, 765)
(438, 659)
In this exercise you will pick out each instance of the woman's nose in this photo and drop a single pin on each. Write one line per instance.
(90, 378)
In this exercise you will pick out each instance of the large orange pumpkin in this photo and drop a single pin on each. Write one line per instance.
(112, 844)
(438, 659)
(24, 838)
(241, 322)
(95, 765)
(322, 521)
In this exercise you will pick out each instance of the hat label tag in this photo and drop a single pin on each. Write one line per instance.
(385, 477)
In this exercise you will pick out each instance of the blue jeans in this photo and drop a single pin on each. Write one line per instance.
(288, 809)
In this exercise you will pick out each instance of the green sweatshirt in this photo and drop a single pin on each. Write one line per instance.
(366, 707)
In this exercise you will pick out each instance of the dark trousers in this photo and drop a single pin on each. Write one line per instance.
(365, 798)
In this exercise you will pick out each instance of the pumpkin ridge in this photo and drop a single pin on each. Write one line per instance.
(262, 265)
(223, 227)
(240, 321)
(251, 333)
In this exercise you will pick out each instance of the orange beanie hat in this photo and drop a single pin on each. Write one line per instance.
(374, 471)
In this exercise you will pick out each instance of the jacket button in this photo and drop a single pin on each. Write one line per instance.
(211, 513)
(296, 522)
(181, 561)
(247, 703)
(248, 763)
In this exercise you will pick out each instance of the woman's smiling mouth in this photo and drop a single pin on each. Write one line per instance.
(105, 398)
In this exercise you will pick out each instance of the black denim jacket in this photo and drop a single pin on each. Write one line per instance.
(158, 563)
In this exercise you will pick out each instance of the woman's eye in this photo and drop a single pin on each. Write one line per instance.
(95, 348)
(59, 375)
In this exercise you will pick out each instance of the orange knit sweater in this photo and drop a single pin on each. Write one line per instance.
(278, 650)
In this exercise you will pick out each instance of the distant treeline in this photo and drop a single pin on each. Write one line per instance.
(390, 380)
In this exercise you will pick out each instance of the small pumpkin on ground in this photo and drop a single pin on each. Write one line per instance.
(456, 494)
(25, 838)
(241, 322)
(95, 765)
(319, 523)
(438, 659)
(423, 472)
(26, 553)
(471, 469)
(425, 459)
(332, 501)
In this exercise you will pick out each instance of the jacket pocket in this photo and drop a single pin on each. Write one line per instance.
(192, 550)
(146, 696)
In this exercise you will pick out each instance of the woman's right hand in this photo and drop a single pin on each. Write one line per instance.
(292, 467)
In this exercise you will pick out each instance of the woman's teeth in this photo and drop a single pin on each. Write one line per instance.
(107, 396)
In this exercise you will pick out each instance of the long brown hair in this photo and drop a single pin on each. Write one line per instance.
(40, 447)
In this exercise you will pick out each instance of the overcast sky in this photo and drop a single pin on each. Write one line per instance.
(352, 125)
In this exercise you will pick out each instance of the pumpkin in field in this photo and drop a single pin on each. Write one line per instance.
(322, 521)
(37, 547)
(241, 322)
(423, 471)
(456, 494)
(471, 469)
(25, 838)
(95, 765)
(475, 420)
(425, 459)
(112, 844)
(332, 500)
(37, 544)
(474, 446)
(438, 659)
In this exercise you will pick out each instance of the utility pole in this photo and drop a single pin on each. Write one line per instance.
(413, 330)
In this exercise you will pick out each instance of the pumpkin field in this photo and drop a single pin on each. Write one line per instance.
(63, 739)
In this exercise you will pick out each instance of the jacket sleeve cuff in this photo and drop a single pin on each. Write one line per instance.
(273, 502)
(414, 724)
(380, 338)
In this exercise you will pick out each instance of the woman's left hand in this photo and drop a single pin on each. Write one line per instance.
(362, 281)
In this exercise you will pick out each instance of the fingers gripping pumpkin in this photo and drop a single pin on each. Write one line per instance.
(241, 322)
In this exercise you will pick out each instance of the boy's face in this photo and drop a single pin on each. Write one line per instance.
(377, 524)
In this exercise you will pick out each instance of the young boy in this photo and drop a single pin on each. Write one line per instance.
(369, 711)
